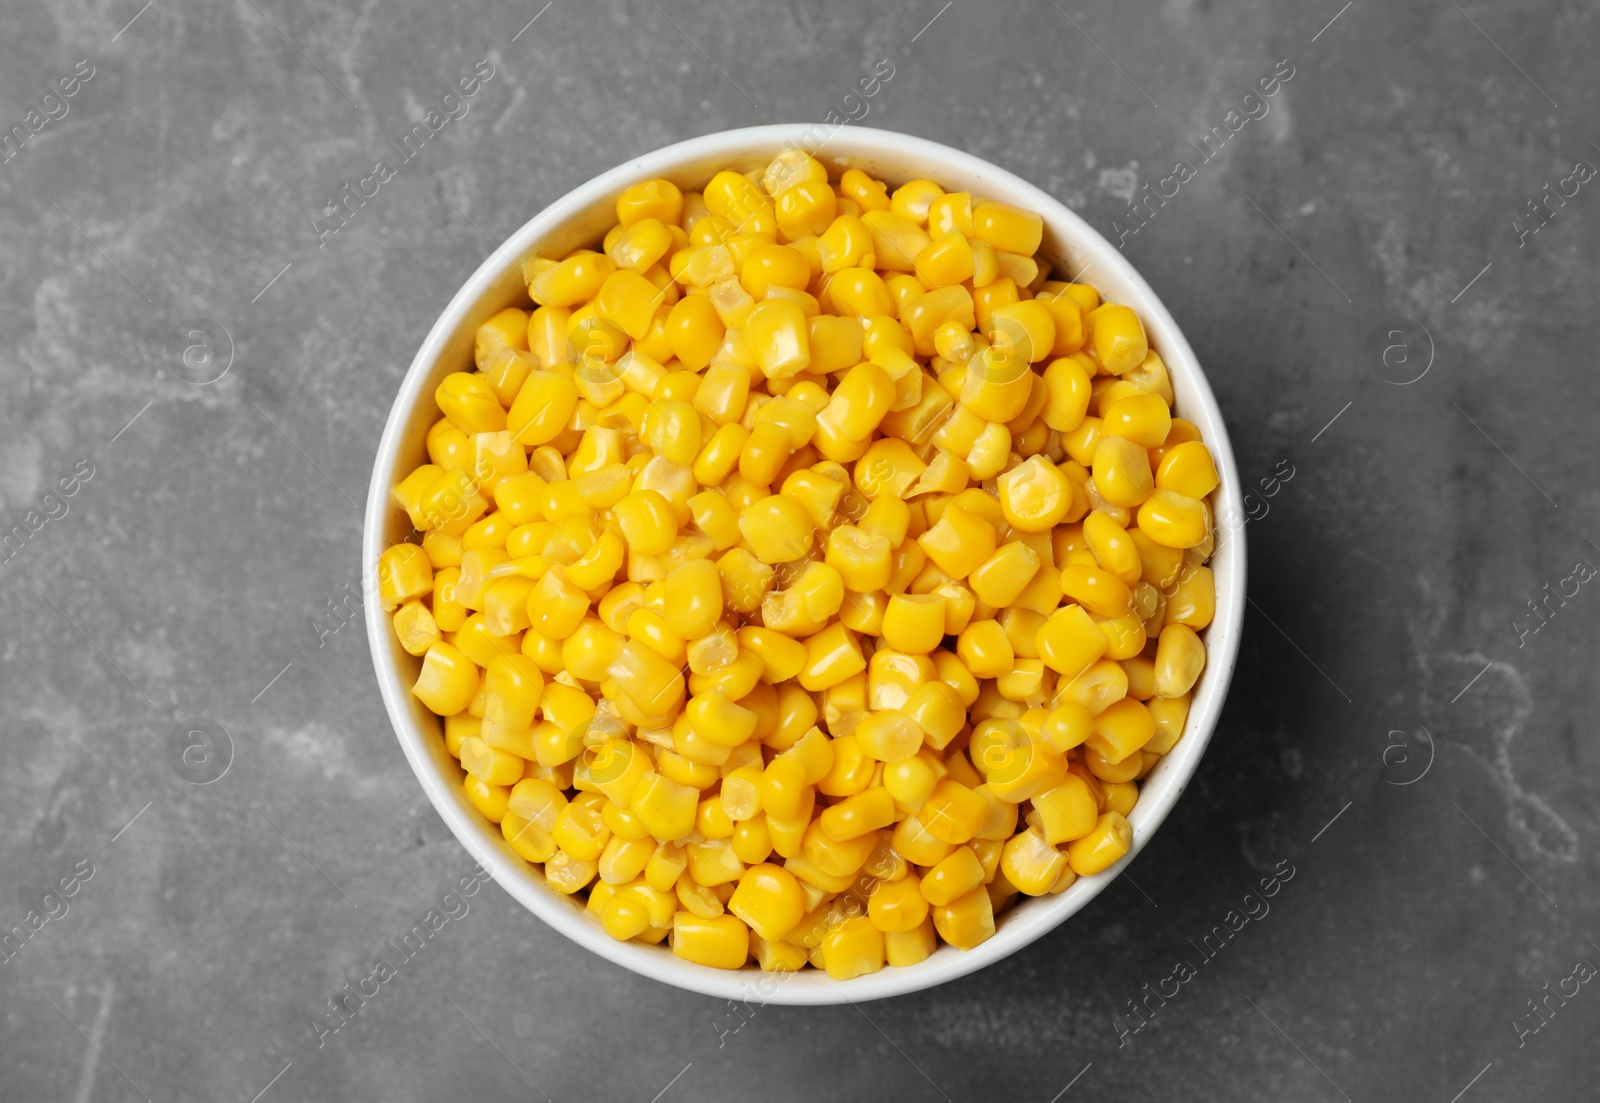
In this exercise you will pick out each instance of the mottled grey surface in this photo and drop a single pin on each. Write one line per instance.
(1390, 580)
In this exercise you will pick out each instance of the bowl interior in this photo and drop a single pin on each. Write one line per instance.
(580, 219)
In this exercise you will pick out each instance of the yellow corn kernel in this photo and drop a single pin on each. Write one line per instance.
(868, 194)
(693, 598)
(672, 430)
(892, 677)
(936, 708)
(694, 330)
(740, 202)
(542, 408)
(777, 334)
(1025, 329)
(778, 529)
(1117, 337)
(666, 807)
(785, 793)
(1105, 844)
(470, 403)
(1113, 547)
(945, 260)
(741, 793)
(986, 650)
(1068, 811)
(958, 542)
(863, 559)
(861, 400)
(721, 941)
(952, 878)
(639, 245)
(752, 840)
(1097, 590)
(451, 503)
(806, 208)
(906, 948)
(514, 686)
(846, 243)
(415, 627)
(1015, 767)
(853, 948)
(722, 393)
(408, 493)
(1067, 389)
(859, 293)
(697, 898)
(781, 657)
(745, 580)
(1141, 418)
(1106, 771)
(495, 767)
(887, 735)
(1122, 473)
(666, 865)
(769, 900)
(1188, 469)
(629, 301)
(649, 680)
(832, 655)
(1121, 729)
(556, 606)
(572, 281)
(1070, 641)
(1180, 656)
(912, 201)
(765, 452)
(1031, 863)
(914, 623)
(624, 915)
(953, 813)
(967, 921)
(588, 652)
(1068, 317)
(858, 815)
(1174, 520)
(615, 768)
(658, 199)
(486, 798)
(850, 771)
(567, 874)
(718, 720)
(580, 831)
(1036, 495)
(767, 265)
(448, 680)
(506, 332)
(1170, 714)
(448, 447)
(777, 957)
(720, 454)
(1007, 228)
(1193, 602)
(888, 468)
(648, 522)
(404, 573)
(897, 907)
(998, 580)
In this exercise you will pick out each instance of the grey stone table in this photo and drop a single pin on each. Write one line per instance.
(1388, 267)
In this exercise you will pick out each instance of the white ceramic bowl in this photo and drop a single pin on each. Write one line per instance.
(579, 219)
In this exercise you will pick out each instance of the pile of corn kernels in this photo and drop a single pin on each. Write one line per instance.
(808, 573)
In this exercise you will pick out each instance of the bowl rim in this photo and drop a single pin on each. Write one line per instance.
(1029, 920)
